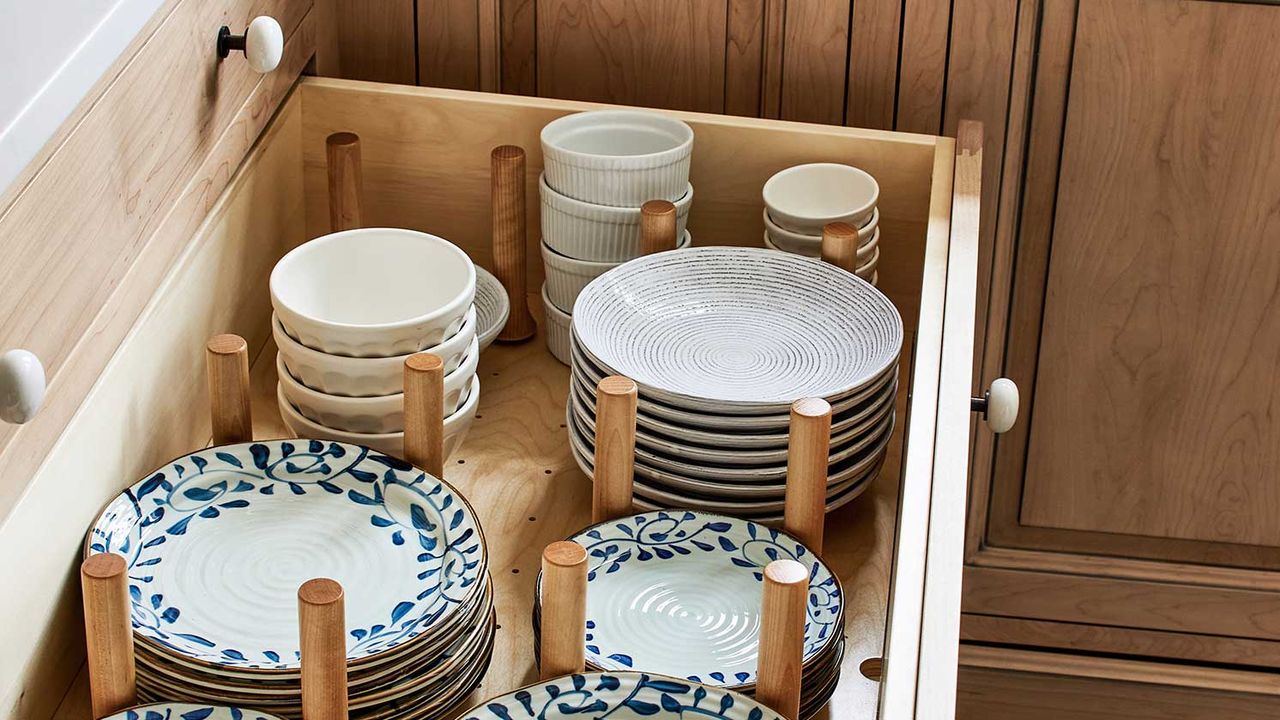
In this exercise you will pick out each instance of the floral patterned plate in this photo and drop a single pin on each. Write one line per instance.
(218, 541)
(620, 695)
(185, 711)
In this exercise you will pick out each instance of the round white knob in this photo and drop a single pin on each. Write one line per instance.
(264, 44)
(21, 386)
(1002, 405)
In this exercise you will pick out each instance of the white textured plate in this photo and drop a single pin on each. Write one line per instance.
(737, 330)
(493, 307)
(218, 541)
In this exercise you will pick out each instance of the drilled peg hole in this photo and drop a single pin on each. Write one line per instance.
(872, 668)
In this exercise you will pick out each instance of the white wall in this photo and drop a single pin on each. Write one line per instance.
(51, 54)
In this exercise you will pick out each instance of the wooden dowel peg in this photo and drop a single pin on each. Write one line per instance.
(424, 412)
(108, 632)
(507, 168)
(322, 638)
(782, 615)
(227, 365)
(657, 227)
(346, 181)
(808, 445)
(615, 448)
(840, 245)
(564, 609)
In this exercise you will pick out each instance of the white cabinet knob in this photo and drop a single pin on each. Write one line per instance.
(998, 405)
(21, 386)
(262, 44)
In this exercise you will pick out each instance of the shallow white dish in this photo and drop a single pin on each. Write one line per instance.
(378, 414)
(803, 198)
(867, 268)
(364, 377)
(555, 328)
(455, 426)
(210, 524)
(622, 158)
(373, 292)
(597, 233)
(733, 330)
(567, 277)
(493, 307)
(812, 244)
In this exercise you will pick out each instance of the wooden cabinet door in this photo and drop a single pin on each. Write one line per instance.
(1142, 489)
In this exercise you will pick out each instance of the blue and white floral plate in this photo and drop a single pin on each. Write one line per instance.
(679, 592)
(186, 711)
(218, 541)
(620, 695)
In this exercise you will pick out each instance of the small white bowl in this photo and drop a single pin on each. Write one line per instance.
(622, 158)
(566, 277)
(804, 198)
(790, 241)
(865, 253)
(867, 268)
(373, 292)
(556, 328)
(811, 245)
(455, 427)
(363, 377)
(598, 233)
(379, 414)
(493, 307)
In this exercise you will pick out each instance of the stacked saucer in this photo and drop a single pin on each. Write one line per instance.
(801, 200)
(218, 542)
(679, 593)
(720, 341)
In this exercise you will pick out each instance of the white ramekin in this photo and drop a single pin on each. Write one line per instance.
(598, 233)
(566, 277)
(455, 427)
(556, 328)
(867, 268)
(617, 157)
(811, 245)
(378, 414)
(803, 198)
(363, 377)
(373, 292)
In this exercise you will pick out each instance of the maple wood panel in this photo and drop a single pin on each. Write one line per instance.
(373, 39)
(815, 57)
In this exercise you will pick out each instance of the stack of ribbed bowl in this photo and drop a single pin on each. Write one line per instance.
(349, 308)
(799, 201)
(600, 168)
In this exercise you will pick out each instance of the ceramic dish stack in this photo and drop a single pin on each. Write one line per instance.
(800, 200)
(600, 168)
(679, 593)
(217, 543)
(720, 341)
(351, 306)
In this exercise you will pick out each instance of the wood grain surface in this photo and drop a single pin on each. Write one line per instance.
(922, 67)
(815, 53)
(872, 94)
(375, 40)
(449, 43)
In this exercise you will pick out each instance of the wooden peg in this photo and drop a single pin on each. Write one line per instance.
(657, 227)
(108, 633)
(507, 169)
(782, 616)
(322, 631)
(346, 181)
(840, 245)
(564, 609)
(227, 365)
(615, 448)
(808, 445)
(424, 412)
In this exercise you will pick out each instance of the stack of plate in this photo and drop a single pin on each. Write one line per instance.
(679, 593)
(800, 200)
(720, 342)
(218, 542)
(351, 306)
(601, 167)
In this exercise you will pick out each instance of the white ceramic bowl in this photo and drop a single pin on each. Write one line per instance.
(814, 249)
(556, 328)
(373, 292)
(363, 377)
(867, 268)
(566, 277)
(597, 233)
(378, 414)
(622, 158)
(804, 198)
(455, 427)
(493, 307)
(794, 241)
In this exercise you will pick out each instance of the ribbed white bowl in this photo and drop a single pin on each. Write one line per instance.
(566, 277)
(622, 158)
(363, 377)
(556, 328)
(597, 233)
(378, 414)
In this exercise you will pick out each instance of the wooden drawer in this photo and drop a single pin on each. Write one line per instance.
(426, 159)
